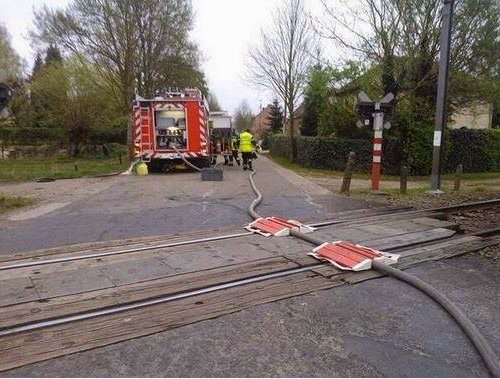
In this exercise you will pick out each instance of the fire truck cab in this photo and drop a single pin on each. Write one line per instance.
(169, 129)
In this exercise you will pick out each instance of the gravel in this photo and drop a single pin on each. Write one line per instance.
(469, 221)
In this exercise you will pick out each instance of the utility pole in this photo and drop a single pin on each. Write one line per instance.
(444, 60)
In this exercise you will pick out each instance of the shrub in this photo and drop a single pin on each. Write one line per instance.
(477, 150)
(28, 136)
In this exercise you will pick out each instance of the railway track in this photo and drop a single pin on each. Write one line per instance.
(432, 212)
(23, 327)
(243, 285)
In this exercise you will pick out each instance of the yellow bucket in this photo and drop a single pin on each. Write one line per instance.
(141, 169)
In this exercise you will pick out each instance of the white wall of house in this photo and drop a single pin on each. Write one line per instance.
(475, 116)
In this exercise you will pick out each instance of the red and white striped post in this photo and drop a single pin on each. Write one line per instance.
(366, 109)
(378, 122)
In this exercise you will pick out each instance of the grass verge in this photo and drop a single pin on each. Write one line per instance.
(18, 170)
(471, 182)
(284, 162)
(7, 203)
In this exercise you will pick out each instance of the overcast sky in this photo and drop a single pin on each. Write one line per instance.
(223, 29)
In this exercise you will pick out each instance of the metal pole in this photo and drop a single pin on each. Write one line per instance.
(441, 95)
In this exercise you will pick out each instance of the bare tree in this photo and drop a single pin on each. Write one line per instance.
(407, 31)
(243, 116)
(281, 60)
(213, 103)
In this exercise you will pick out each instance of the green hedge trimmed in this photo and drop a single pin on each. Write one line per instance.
(37, 136)
(28, 136)
(476, 150)
(278, 145)
(332, 153)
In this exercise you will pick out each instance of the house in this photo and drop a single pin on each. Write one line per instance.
(477, 115)
(260, 123)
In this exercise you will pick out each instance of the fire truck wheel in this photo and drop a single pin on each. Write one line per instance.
(203, 162)
(167, 167)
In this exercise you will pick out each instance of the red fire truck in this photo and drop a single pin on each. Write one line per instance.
(171, 127)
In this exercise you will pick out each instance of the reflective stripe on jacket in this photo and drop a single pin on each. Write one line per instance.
(246, 142)
(234, 143)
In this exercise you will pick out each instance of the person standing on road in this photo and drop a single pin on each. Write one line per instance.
(234, 149)
(247, 148)
(233, 153)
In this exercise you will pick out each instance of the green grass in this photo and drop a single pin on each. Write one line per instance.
(7, 203)
(26, 169)
(312, 171)
(479, 189)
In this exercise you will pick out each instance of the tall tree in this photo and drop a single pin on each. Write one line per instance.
(37, 65)
(275, 119)
(213, 103)
(139, 45)
(71, 101)
(315, 99)
(52, 55)
(10, 62)
(280, 62)
(243, 116)
(402, 37)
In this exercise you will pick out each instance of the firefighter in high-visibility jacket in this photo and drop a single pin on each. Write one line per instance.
(234, 144)
(247, 149)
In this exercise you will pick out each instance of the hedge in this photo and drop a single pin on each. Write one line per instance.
(37, 136)
(476, 150)
(331, 153)
(28, 136)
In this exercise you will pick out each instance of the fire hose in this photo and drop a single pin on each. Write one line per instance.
(483, 347)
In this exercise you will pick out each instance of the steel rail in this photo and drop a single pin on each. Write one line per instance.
(481, 344)
(136, 250)
(125, 251)
(472, 205)
(254, 215)
(146, 248)
(154, 301)
(447, 209)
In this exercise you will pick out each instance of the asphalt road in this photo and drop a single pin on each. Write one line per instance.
(379, 328)
(87, 210)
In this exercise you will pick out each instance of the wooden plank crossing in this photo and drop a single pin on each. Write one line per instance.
(60, 306)
(438, 239)
(18, 350)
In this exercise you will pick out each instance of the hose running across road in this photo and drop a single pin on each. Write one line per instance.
(484, 349)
